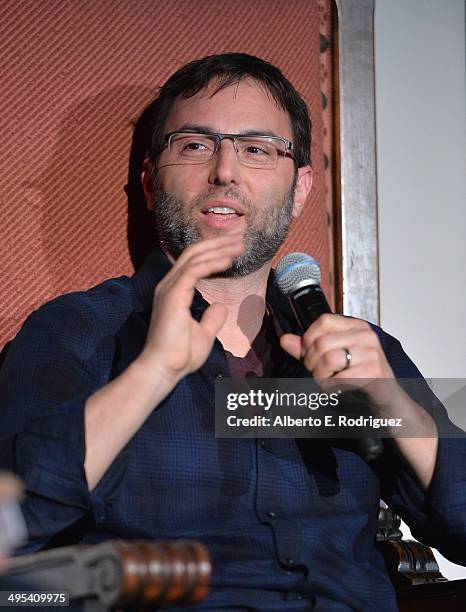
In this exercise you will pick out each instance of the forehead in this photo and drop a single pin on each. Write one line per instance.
(238, 108)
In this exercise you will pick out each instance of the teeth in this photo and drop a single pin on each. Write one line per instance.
(223, 210)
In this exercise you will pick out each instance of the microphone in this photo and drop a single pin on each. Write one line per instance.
(298, 277)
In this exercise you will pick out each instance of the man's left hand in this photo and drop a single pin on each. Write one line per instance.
(325, 346)
(336, 348)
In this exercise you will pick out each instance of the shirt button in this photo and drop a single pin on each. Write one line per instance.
(263, 443)
(272, 514)
(219, 375)
(289, 561)
(299, 597)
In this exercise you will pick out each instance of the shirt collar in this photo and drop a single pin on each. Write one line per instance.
(157, 265)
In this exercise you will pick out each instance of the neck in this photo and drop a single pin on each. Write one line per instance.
(244, 298)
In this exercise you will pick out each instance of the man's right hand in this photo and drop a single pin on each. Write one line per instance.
(177, 344)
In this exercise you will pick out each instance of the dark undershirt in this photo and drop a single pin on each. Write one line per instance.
(263, 356)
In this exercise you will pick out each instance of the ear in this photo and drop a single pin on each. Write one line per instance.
(303, 188)
(146, 180)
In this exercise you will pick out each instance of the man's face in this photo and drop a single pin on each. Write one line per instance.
(263, 198)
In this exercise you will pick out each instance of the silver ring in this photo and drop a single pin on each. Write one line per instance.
(349, 357)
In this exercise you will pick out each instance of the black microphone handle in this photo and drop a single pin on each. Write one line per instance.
(308, 303)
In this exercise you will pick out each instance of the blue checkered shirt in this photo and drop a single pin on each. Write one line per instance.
(290, 523)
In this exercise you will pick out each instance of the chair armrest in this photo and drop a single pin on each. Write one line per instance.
(117, 574)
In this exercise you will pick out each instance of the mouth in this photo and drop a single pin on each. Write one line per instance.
(222, 214)
(222, 208)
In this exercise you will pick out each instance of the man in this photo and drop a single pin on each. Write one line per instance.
(107, 395)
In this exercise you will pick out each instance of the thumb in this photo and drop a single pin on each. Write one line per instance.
(292, 344)
(213, 319)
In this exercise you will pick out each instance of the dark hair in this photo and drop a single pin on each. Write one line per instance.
(228, 69)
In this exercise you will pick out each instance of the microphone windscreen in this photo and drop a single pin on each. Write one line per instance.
(296, 270)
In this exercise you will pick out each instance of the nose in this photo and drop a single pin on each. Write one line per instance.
(225, 166)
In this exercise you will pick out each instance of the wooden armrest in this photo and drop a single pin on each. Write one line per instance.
(419, 585)
(138, 574)
(414, 572)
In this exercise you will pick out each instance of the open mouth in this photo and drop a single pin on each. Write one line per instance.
(222, 212)
(220, 215)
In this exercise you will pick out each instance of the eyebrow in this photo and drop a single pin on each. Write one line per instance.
(207, 129)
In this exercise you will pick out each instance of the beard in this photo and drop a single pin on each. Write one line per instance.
(266, 231)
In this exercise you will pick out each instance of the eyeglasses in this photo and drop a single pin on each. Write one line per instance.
(254, 151)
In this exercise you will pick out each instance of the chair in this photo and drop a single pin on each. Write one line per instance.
(411, 565)
(87, 71)
(116, 574)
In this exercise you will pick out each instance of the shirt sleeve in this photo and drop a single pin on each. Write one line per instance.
(55, 363)
(436, 516)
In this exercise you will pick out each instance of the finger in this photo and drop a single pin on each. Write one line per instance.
(205, 264)
(210, 244)
(181, 289)
(292, 344)
(231, 249)
(332, 323)
(213, 319)
(354, 339)
(366, 362)
(330, 363)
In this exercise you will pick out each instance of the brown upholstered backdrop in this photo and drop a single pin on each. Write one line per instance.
(75, 75)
